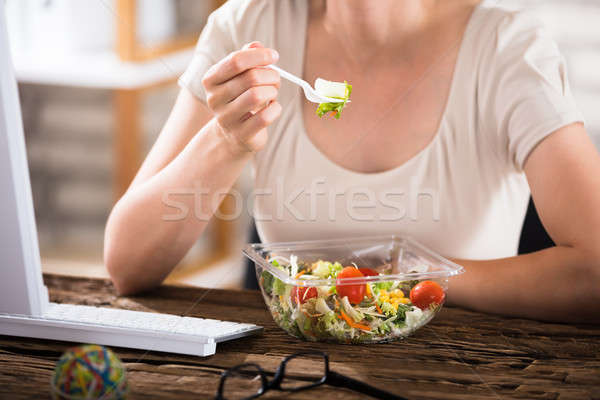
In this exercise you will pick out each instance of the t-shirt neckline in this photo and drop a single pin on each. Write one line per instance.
(421, 153)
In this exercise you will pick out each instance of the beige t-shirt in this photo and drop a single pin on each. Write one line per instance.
(464, 195)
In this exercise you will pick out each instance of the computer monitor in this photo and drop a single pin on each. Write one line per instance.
(22, 290)
(25, 309)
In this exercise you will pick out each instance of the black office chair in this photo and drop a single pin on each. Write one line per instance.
(533, 235)
(250, 281)
(533, 238)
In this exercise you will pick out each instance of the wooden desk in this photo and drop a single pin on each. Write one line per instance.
(460, 355)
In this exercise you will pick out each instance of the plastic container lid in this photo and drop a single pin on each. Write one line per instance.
(396, 258)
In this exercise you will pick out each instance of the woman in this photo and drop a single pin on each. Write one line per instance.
(458, 110)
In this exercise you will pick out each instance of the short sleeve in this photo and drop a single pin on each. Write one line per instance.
(525, 94)
(227, 29)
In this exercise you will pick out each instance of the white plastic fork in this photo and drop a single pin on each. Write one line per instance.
(310, 93)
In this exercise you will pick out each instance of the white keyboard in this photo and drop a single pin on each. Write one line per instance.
(136, 329)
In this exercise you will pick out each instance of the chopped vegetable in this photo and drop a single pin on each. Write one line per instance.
(333, 89)
(325, 269)
(321, 269)
(354, 292)
(278, 287)
(294, 265)
(357, 312)
(354, 324)
(413, 316)
(322, 307)
(389, 309)
(427, 293)
(384, 285)
(368, 272)
(368, 290)
(302, 294)
(267, 281)
(299, 274)
(354, 313)
(337, 90)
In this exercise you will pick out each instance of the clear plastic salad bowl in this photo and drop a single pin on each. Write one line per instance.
(360, 290)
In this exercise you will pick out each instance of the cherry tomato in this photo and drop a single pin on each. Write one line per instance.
(301, 294)
(425, 293)
(355, 293)
(368, 272)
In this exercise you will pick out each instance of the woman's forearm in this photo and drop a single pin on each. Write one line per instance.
(557, 284)
(155, 223)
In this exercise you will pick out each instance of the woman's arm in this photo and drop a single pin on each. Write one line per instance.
(561, 283)
(200, 153)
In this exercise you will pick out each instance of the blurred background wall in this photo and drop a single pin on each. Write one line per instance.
(70, 136)
(71, 119)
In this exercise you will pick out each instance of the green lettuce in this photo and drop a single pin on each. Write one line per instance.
(267, 279)
(335, 268)
(388, 309)
(272, 284)
(384, 285)
(325, 269)
(279, 288)
(325, 108)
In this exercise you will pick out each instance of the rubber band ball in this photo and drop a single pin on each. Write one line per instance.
(89, 372)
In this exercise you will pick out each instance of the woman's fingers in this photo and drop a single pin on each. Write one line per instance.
(241, 93)
(230, 90)
(254, 99)
(259, 121)
(238, 62)
(251, 100)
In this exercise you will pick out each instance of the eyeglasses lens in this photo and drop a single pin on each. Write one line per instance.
(303, 370)
(242, 383)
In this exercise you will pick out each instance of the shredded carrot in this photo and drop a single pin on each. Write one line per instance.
(337, 304)
(299, 274)
(378, 308)
(333, 113)
(354, 324)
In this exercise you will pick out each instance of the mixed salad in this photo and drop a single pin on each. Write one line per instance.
(337, 90)
(359, 312)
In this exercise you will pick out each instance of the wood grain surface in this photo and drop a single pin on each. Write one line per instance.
(459, 355)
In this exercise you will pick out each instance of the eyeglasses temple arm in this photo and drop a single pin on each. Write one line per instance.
(339, 380)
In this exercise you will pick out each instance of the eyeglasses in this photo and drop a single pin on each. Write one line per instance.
(300, 371)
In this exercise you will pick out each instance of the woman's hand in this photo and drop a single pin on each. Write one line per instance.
(241, 94)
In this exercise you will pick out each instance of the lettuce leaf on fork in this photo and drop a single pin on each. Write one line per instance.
(337, 90)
